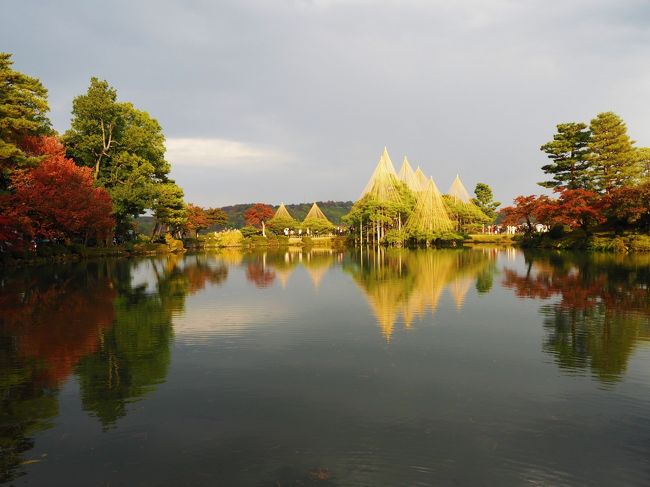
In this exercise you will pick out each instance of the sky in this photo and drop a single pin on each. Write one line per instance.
(294, 100)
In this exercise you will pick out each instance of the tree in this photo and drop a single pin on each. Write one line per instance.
(575, 208)
(643, 159)
(169, 208)
(57, 200)
(525, 209)
(23, 108)
(485, 200)
(630, 205)
(200, 218)
(611, 153)
(124, 147)
(279, 223)
(258, 214)
(568, 150)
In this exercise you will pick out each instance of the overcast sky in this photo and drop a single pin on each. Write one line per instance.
(294, 100)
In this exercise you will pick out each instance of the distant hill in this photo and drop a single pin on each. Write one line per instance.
(333, 210)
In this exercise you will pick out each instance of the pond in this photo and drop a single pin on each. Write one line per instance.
(328, 368)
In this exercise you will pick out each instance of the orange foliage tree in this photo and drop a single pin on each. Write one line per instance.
(55, 200)
(201, 218)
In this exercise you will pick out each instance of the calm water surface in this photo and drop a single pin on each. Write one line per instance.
(473, 367)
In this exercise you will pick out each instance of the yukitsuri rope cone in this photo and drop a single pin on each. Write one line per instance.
(430, 214)
(384, 183)
(282, 212)
(407, 176)
(315, 213)
(458, 191)
(422, 180)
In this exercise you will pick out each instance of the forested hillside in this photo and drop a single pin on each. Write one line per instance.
(334, 210)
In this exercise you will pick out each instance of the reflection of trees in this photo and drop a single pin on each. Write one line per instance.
(603, 309)
(262, 269)
(50, 319)
(410, 283)
(85, 317)
(134, 354)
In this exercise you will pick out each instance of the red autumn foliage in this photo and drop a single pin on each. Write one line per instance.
(630, 205)
(55, 200)
(574, 207)
(201, 218)
(525, 209)
(257, 214)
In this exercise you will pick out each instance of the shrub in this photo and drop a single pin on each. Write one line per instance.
(640, 243)
(173, 244)
(229, 238)
(259, 240)
(250, 231)
(307, 241)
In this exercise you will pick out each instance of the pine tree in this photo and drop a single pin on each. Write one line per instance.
(643, 160)
(23, 109)
(485, 200)
(569, 167)
(612, 156)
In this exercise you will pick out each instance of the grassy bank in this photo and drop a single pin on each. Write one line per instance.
(604, 241)
(478, 239)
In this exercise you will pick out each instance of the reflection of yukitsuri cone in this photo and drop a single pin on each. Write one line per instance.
(435, 269)
(283, 276)
(231, 256)
(385, 306)
(408, 177)
(317, 266)
(384, 183)
(459, 289)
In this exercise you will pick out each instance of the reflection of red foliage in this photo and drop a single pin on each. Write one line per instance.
(577, 290)
(58, 326)
(199, 275)
(257, 274)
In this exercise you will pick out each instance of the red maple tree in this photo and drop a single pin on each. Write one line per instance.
(55, 200)
(257, 214)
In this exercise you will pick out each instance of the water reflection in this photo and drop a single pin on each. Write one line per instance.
(91, 320)
(109, 325)
(602, 313)
(408, 284)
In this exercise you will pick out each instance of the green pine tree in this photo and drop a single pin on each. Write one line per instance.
(23, 108)
(643, 158)
(569, 167)
(485, 200)
(612, 156)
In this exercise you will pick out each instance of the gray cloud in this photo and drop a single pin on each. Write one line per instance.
(317, 88)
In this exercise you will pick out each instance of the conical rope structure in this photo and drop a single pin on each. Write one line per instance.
(315, 213)
(407, 176)
(458, 191)
(430, 214)
(422, 180)
(384, 183)
(282, 212)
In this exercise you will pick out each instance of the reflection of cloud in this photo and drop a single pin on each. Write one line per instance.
(215, 152)
(201, 322)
